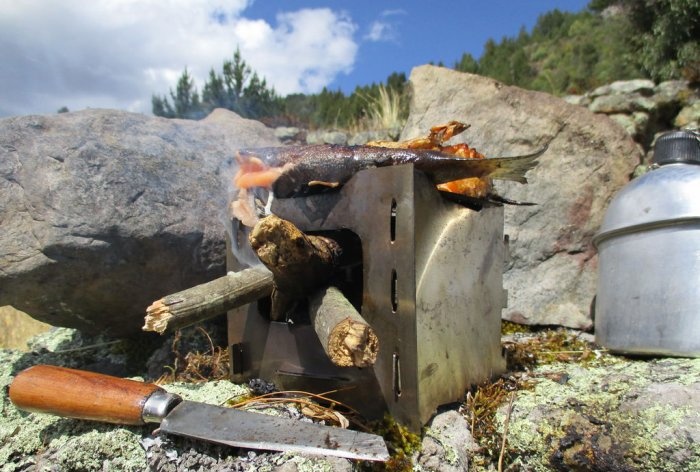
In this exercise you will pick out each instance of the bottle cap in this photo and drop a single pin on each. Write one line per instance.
(677, 146)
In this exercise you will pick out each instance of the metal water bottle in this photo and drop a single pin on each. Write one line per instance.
(648, 297)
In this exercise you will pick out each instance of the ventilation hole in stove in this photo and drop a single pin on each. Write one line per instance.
(396, 374)
(394, 294)
(392, 224)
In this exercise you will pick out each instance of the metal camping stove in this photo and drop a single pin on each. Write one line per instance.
(430, 284)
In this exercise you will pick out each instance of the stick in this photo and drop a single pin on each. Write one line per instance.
(345, 336)
(299, 263)
(207, 300)
(505, 433)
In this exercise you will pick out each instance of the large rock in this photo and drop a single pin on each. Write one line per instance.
(551, 275)
(103, 211)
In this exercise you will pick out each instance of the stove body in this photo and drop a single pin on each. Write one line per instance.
(430, 284)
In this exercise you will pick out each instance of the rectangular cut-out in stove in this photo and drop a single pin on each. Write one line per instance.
(430, 284)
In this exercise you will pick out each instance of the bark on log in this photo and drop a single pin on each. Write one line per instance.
(207, 300)
(345, 336)
(300, 263)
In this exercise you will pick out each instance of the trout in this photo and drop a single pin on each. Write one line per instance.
(292, 171)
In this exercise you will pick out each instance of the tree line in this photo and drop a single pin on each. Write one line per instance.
(564, 53)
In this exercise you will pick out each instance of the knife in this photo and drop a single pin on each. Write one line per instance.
(91, 396)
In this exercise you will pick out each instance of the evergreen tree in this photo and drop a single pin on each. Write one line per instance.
(238, 89)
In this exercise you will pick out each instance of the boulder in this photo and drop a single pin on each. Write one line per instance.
(105, 211)
(551, 275)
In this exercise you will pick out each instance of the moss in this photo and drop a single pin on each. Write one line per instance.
(401, 442)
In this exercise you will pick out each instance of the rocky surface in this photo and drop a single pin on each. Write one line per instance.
(645, 108)
(599, 413)
(104, 211)
(551, 275)
(43, 442)
(614, 414)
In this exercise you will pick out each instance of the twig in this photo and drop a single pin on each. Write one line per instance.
(86, 348)
(505, 432)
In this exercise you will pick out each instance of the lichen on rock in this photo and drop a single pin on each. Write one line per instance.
(623, 414)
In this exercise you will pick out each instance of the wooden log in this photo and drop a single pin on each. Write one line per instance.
(207, 300)
(300, 263)
(345, 336)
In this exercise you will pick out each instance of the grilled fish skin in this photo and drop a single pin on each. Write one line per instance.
(300, 170)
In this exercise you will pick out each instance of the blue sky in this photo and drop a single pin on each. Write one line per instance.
(396, 35)
(116, 54)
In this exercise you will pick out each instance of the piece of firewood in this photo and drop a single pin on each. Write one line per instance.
(207, 300)
(299, 263)
(345, 336)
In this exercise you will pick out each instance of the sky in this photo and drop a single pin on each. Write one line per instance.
(119, 53)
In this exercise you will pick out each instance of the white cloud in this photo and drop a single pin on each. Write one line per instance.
(380, 31)
(117, 53)
(385, 28)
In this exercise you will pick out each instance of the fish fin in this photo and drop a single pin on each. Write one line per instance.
(258, 178)
(515, 168)
(499, 199)
(477, 203)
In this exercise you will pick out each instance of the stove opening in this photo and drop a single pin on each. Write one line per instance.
(348, 277)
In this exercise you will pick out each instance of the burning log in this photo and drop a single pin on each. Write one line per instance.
(207, 300)
(345, 336)
(299, 263)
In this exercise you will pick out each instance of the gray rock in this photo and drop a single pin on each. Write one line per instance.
(636, 124)
(640, 86)
(289, 134)
(688, 117)
(447, 443)
(580, 100)
(326, 137)
(672, 91)
(551, 275)
(104, 211)
(622, 103)
(364, 137)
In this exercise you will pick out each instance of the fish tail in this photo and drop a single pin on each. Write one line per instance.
(500, 168)
(514, 168)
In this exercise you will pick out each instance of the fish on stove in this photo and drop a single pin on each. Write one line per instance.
(292, 171)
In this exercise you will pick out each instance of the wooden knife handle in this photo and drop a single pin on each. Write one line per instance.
(80, 394)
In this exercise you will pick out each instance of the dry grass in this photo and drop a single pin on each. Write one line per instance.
(195, 366)
(384, 112)
(319, 407)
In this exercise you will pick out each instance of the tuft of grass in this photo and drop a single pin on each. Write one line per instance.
(387, 110)
(196, 366)
(547, 347)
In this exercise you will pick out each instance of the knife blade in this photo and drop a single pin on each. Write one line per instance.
(91, 396)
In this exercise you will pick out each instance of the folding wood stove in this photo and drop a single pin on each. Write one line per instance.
(430, 284)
